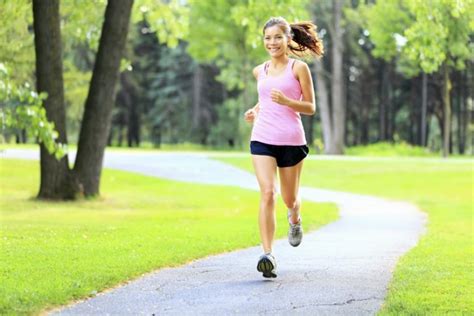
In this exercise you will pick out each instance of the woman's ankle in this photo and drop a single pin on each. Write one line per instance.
(294, 213)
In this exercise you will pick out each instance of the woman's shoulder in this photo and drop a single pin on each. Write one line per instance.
(299, 64)
(299, 67)
(257, 69)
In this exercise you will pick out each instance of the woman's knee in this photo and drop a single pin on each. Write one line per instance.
(290, 201)
(268, 195)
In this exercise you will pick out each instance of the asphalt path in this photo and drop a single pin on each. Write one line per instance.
(343, 268)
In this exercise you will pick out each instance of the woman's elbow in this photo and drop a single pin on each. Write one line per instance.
(312, 109)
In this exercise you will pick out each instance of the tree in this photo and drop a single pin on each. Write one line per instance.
(57, 180)
(337, 86)
(429, 38)
(331, 96)
(49, 74)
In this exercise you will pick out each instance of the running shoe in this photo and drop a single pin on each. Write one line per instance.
(267, 265)
(295, 232)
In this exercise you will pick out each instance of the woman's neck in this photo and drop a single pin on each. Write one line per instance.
(279, 61)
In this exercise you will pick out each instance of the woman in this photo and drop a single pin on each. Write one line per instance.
(285, 89)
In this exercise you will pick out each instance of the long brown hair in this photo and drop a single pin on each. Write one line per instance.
(304, 40)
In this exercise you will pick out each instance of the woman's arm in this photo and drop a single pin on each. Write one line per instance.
(305, 106)
(252, 113)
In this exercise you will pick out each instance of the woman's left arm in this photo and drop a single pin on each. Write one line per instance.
(307, 104)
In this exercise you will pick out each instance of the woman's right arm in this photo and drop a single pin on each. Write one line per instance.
(251, 113)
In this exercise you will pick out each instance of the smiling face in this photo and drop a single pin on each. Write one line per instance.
(275, 41)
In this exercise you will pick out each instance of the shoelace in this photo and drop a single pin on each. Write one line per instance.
(295, 228)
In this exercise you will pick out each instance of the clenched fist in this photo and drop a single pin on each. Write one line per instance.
(278, 97)
(250, 115)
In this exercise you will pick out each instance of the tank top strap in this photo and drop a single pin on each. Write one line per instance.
(291, 63)
(265, 68)
(262, 70)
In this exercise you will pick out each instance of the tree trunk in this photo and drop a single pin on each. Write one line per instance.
(463, 112)
(446, 111)
(383, 107)
(100, 100)
(365, 103)
(196, 102)
(323, 102)
(424, 103)
(470, 120)
(130, 104)
(337, 88)
(55, 175)
(21, 137)
(390, 107)
(414, 128)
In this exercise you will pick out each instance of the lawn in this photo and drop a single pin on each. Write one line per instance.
(437, 276)
(56, 252)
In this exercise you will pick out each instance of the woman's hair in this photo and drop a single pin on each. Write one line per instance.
(303, 37)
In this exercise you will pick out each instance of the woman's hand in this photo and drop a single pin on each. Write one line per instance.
(278, 97)
(250, 115)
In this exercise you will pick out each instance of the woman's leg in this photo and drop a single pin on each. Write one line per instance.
(265, 169)
(289, 185)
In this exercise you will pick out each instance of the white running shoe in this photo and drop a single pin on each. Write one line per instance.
(267, 265)
(295, 232)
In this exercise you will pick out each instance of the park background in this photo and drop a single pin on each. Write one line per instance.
(396, 80)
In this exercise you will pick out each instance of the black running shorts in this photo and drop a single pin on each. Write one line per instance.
(286, 156)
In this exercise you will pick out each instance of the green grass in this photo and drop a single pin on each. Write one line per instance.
(387, 149)
(436, 277)
(55, 252)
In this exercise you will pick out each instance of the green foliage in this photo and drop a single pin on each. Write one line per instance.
(384, 20)
(17, 49)
(93, 245)
(168, 19)
(76, 87)
(440, 33)
(226, 132)
(22, 108)
(423, 36)
(170, 94)
(82, 22)
(81, 26)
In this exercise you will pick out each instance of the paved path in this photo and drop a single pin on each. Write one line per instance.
(341, 269)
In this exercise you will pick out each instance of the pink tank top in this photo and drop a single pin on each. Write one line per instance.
(278, 124)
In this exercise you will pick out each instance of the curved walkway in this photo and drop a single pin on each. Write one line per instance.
(343, 268)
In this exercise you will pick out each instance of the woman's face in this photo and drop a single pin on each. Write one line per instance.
(275, 41)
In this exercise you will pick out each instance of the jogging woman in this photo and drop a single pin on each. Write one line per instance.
(278, 142)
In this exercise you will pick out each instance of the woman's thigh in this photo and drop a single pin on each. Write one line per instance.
(265, 169)
(289, 182)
